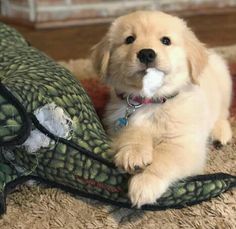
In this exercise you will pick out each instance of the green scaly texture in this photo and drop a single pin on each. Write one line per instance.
(36, 80)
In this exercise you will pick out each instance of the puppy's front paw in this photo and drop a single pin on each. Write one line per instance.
(133, 158)
(146, 188)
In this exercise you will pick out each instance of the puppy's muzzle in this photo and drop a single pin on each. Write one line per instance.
(146, 56)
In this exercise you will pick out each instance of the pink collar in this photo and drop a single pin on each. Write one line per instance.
(142, 100)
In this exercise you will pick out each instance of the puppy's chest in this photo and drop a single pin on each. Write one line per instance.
(145, 114)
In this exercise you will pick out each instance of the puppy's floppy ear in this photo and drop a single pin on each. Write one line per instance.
(197, 55)
(100, 56)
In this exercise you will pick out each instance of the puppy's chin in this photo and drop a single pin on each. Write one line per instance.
(144, 82)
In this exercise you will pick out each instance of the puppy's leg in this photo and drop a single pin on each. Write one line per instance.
(170, 163)
(222, 132)
(133, 148)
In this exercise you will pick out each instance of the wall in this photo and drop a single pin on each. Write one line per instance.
(56, 12)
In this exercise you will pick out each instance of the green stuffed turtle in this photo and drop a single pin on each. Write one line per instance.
(49, 131)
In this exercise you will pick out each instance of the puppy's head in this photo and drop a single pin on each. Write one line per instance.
(149, 39)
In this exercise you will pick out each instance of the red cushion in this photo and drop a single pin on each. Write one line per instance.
(98, 92)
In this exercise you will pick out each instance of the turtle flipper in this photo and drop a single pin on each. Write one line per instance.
(15, 127)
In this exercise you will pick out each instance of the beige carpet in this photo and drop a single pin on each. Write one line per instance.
(39, 207)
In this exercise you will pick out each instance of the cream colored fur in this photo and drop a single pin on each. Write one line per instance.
(167, 141)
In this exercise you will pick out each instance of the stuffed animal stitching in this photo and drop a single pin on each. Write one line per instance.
(81, 162)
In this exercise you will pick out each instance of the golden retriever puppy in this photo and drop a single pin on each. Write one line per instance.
(170, 94)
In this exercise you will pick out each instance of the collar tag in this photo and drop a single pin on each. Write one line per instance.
(131, 108)
(120, 123)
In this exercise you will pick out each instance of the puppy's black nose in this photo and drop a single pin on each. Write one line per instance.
(146, 56)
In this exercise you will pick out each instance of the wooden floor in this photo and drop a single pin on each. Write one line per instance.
(70, 43)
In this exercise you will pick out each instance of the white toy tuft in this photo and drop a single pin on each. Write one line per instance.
(152, 81)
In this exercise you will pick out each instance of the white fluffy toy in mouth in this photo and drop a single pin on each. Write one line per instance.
(152, 81)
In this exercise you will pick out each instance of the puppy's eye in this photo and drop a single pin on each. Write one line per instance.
(165, 41)
(129, 40)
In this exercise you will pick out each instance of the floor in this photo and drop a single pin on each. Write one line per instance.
(71, 43)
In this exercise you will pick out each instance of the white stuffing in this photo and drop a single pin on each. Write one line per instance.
(152, 81)
(35, 141)
(31, 183)
(54, 119)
